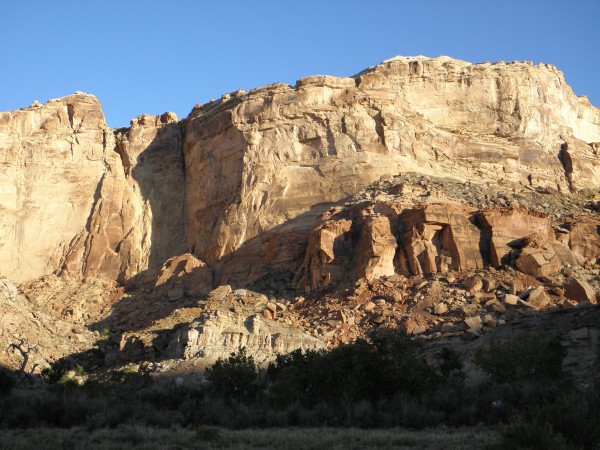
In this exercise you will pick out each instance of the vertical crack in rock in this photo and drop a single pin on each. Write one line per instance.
(71, 114)
(567, 162)
(379, 122)
(90, 222)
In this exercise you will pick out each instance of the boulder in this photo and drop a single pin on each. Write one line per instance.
(440, 309)
(538, 297)
(584, 238)
(511, 299)
(187, 271)
(473, 284)
(219, 294)
(474, 323)
(578, 290)
(543, 256)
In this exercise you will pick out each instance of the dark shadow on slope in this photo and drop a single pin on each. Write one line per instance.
(264, 264)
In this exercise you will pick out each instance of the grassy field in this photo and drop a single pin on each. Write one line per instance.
(124, 437)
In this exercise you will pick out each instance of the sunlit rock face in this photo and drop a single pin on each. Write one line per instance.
(52, 160)
(240, 182)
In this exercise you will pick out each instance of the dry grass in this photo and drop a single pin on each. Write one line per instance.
(139, 437)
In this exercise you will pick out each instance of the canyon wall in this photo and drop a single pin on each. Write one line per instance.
(240, 182)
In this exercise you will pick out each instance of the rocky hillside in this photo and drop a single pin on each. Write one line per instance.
(432, 195)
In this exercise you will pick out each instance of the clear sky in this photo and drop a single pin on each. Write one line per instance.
(156, 56)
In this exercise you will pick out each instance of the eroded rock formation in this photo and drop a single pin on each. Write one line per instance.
(347, 244)
(281, 153)
(222, 333)
(234, 180)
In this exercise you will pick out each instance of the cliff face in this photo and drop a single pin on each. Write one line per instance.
(240, 182)
(53, 158)
(136, 221)
(79, 197)
(262, 165)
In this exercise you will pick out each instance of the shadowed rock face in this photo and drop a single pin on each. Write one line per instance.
(240, 182)
(136, 221)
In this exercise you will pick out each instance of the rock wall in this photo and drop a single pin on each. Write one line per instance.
(79, 197)
(137, 219)
(281, 155)
(223, 333)
(52, 161)
(240, 182)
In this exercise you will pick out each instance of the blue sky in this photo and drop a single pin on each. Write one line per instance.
(156, 56)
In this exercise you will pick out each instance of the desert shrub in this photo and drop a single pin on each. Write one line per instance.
(208, 434)
(362, 414)
(351, 373)
(234, 377)
(531, 436)
(574, 414)
(522, 358)
(410, 411)
(346, 373)
(451, 366)
(79, 371)
(291, 377)
(7, 381)
(133, 378)
(53, 374)
(400, 368)
(33, 408)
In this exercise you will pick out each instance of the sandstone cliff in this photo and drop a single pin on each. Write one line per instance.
(77, 196)
(435, 196)
(240, 181)
(279, 155)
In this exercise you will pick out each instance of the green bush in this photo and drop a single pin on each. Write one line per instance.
(382, 382)
(352, 372)
(53, 374)
(401, 370)
(292, 376)
(132, 378)
(234, 377)
(522, 358)
(7, 381)
(575, 414)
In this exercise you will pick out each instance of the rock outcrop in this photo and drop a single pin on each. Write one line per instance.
(79, 197)
(222, 333)
(376, 239)
(52, 160)
(434, 196)
(136, 221)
